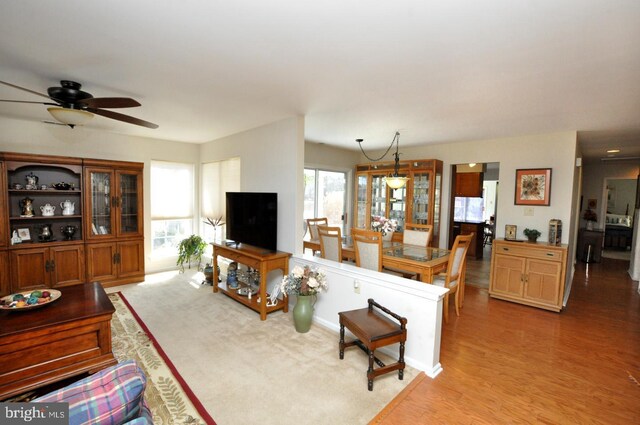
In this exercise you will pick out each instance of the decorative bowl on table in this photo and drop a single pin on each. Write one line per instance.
(61, 186)
(28, 300)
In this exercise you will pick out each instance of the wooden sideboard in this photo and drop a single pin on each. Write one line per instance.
(260, 259)
(528, 273)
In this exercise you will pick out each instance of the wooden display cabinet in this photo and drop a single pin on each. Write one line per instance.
(46, 267)
(107, 210)
(528, 273)
(417, 202)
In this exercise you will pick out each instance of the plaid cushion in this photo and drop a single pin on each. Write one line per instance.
(112, 396)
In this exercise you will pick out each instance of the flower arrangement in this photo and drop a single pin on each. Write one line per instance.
(383, 224)
(304, 281)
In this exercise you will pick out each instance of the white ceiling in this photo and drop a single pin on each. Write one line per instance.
(438, 71)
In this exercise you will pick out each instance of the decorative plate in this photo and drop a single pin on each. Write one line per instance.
(10, 302)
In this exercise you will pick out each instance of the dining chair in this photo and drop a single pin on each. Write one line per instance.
(330, 243)
(417, 234)
(312, 226)
(454, 277)
(368, 247)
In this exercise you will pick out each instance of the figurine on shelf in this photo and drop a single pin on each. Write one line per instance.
(27, 207)
(15, 239)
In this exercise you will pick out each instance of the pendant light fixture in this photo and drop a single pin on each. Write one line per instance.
(394, 181)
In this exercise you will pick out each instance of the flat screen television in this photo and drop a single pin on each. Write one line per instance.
(252, 218)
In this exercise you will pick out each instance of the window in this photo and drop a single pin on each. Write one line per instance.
(324, 195)
(172, 187)
(218, 178)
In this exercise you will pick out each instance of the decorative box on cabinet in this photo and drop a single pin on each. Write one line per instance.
(417, 202)
(528, 273)
(469, 185)
(45, 267)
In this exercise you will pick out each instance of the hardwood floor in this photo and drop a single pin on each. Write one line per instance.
(509, 363)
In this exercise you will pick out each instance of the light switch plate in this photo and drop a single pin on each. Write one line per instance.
(528, 211)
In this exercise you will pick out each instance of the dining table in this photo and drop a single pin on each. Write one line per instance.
(426, 261)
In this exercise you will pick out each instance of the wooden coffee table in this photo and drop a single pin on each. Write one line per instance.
(68, 337)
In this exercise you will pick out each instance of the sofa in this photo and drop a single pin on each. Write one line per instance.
(113, 396)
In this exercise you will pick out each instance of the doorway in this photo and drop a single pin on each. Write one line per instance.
(473, 208)
(617, 211)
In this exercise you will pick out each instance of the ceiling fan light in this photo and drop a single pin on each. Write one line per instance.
(70, 116)
(396, 182)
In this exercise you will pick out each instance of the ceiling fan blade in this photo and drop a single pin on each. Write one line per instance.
(122, 117)
(22, 88)
(28, 101)
(109, 102)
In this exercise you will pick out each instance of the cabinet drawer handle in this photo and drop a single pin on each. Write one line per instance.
(47, 266)
(505, 249)
(52, 266)
(550, 254)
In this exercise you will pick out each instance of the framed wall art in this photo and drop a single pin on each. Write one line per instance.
(510, 232)
(533, 186)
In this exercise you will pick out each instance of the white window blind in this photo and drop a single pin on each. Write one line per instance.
(171, 190)
(218, 178)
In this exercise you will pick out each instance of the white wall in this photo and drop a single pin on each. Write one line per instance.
(421, 304)
(272, 160)
(39, 138)
(556, 151)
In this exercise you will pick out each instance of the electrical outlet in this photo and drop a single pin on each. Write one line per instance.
(528, 211)
(356, 286)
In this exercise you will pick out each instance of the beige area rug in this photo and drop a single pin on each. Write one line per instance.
(247, 371)
(168, 398)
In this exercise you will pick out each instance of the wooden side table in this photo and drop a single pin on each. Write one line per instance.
(260, 259)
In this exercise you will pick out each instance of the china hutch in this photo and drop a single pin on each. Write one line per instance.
(69, 220)
(416, 202)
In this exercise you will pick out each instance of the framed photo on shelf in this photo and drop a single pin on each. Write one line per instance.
(533, 186)
(510, 232)
(24, 234)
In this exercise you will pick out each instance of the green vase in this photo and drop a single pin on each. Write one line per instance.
(303, 313)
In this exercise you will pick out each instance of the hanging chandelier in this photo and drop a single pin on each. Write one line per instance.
(394, 181)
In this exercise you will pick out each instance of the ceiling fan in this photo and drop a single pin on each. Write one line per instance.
(75, 107)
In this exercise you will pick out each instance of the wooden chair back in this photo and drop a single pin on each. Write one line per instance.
(417, 234)
(312, 226)
(330, 243)
(457, 258)
(368, 247)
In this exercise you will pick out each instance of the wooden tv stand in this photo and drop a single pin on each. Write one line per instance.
(260, 259)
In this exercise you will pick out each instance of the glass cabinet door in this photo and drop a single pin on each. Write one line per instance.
(421, 202)
(361, 201)
(100, 187)
(398, 206)
(129, 203)
(378, 196)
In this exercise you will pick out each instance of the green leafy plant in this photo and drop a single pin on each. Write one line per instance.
(190, 249)
(532, 234)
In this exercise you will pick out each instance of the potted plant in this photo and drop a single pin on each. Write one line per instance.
(189, 249)
(591, 218)
(532, 234)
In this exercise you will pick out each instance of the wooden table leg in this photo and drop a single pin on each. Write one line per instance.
(215, 272)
